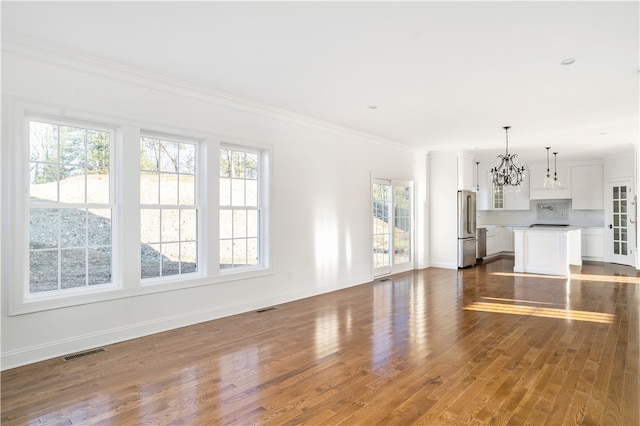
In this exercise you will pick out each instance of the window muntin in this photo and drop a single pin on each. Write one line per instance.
(240, 208)
(69, 206)
(168, 207)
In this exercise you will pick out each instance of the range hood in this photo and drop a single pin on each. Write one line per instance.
(550, 194)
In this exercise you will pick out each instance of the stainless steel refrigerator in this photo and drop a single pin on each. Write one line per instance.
(466, 228)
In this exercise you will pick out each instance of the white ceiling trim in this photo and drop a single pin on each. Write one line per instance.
(54, 55)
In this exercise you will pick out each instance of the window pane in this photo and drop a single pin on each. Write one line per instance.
(72, 145)
(168, 189)
(168, 157)
(187, 190)
(188, 225)
(43, 228)
(149, 154)
(187, 158)
(99, 268)
(150, 225)
(240, 252)
(252, 193)
(188, 260)
(72, 184)
(98, 186)
(252, 251)
(239, 223)
(170, 259)
(226, 223)
(149, 188)
(237, 166)
(43, 142)
(150, 260)
(252, 223)
(225, 163)
(73, 228)
(43, 182)
(43, 270)
(252, 166)
(225, 192)
(226, 253)
(237, 192)
(98, 150)
(73, 264)
(170, 226)
(99, 227)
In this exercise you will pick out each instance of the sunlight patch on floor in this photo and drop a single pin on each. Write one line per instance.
(581, 277)
(567, 314)
(521, 301)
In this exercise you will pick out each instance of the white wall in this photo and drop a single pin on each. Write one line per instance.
(320, 211)
(443, 199)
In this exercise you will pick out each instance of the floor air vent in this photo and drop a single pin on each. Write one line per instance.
(264, 310)
(81, 354)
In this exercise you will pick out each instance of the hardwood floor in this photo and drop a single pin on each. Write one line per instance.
(477, 346)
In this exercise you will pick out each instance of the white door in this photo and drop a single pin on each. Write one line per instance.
(620, 213)
(392, 206)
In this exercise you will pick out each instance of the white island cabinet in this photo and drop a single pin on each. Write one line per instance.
(547, 250)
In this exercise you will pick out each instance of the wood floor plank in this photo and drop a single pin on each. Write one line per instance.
(436, 346)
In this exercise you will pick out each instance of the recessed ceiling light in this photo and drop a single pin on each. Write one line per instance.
(373, 106)
(568, 61)
(603, 133)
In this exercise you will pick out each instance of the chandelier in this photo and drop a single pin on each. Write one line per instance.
(507, 171)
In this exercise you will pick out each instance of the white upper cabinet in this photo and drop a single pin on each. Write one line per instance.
(587, 192)
(466, 172)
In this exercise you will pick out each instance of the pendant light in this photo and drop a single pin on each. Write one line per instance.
(548, 182)
(477, 176)
(507, 171)
(556, 182)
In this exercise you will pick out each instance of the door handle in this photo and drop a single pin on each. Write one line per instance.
(610, 226)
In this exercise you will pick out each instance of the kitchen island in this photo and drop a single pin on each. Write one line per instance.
(547, 249)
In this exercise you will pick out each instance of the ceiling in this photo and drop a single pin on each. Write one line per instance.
(441, 75)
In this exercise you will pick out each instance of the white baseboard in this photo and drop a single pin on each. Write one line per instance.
(59, 348)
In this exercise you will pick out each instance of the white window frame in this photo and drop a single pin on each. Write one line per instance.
(261, 208)
(197, 207)
(70, 292)
(125, 161)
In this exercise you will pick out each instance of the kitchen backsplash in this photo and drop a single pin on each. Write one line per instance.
(551, 211)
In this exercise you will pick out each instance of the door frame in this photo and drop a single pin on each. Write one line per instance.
(630, 258)
(393, 268)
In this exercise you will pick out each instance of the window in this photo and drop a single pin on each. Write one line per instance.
(103, 212)
(70, 206)
(168, 207)
(240, 208)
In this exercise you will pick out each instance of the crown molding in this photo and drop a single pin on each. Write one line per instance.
(40, 51)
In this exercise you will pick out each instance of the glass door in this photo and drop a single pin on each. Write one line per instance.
(620, 213)
(392, 207)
